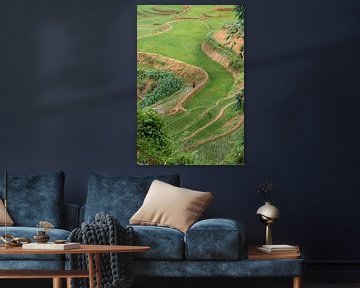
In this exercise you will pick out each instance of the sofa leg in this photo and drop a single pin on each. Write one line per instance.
(297, 282)
(57, 283)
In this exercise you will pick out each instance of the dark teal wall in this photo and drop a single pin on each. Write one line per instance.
(67, 100)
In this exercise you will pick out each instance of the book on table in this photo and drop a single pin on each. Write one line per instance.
(278, 249)
(51, 246)
(255, 254)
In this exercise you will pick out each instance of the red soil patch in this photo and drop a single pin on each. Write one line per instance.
(223, 9)
(220, 37)
(166, 11)
(186, 18)
(189, 73)
(239, 86)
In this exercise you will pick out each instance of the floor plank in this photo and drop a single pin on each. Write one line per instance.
(45, 283)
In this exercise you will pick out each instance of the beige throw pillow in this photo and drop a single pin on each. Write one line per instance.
(9, 221)
(170, 206)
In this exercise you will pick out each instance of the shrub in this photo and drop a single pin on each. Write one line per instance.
(141, 78)
(167, 83)
(239, 104)
(152, 140)
(154, 146)
(152, 127)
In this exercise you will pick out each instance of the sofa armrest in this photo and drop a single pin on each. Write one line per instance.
(215, 239)
(71, 216)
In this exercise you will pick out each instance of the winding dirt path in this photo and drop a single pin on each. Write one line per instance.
(205, 112)
(210, 139)
(221, 113)
(167, 29)
(167, 24)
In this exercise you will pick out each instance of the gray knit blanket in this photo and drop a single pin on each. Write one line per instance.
(116, 268)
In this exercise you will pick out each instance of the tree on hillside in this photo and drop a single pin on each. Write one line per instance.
(154, 144)
(239, 104)
(236, 29)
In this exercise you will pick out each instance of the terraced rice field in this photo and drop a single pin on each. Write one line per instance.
(200, 116)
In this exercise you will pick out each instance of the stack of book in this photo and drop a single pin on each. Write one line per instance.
(279, 249)
(51, 246)
(274, 252)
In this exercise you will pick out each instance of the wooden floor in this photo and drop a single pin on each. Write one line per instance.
(259, 285)
(45, 283)
(339, 285)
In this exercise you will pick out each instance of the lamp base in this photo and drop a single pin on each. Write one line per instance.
(268, 237)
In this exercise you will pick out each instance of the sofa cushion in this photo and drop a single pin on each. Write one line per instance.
(170, 206)
(165, 243)
(35, 198)
(9, 221)
(29, 232)
(214, 239)
(119, 196)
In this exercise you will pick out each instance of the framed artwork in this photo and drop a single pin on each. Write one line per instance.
(190, 84)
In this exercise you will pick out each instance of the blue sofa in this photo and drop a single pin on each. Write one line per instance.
(210, 248)
(32, 199)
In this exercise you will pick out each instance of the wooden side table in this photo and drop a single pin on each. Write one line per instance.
(254, 254)
(93, 251)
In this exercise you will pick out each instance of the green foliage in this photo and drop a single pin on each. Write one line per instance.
(228, 150)
(239, 149)
(240, 15)
(151, 126)
(236, 29)
(167, 83)
(141, 78)
(237, 154)
(182, 158)
(239, 105)
(154, 146)
(235, 61)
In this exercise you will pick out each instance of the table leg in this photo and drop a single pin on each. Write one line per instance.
(68, 282)
(57, 283)
(98, 270)
(91, 270)
(297, 282)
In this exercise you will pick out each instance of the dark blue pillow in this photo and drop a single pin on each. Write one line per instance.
(119, 196)
(35, 198)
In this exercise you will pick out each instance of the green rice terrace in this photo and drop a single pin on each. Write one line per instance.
(190, 85)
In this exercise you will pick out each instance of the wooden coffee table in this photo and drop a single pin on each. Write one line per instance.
(92, 251)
